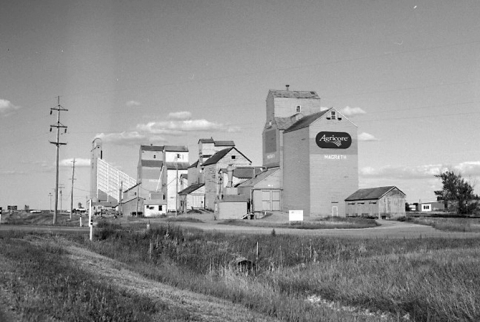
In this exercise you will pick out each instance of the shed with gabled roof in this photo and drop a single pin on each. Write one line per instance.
(192, 197)
(378, 202)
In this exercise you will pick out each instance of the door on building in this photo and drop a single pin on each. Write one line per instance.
(270, 200)
(334, 211)
(275, 200)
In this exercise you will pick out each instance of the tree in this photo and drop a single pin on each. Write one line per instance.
(457, 194)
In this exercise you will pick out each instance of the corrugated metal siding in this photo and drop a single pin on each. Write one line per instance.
(296, 172)
(334, 172)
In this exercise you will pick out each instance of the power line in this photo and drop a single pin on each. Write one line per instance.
(57, 143)
(71, 195)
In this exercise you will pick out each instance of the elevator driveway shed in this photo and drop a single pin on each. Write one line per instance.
(376, 202)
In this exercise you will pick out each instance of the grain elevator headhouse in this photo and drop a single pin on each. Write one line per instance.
(315, 151)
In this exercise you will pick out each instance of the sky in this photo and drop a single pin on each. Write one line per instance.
(169, 72)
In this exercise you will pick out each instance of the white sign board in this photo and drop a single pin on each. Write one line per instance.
(295, 215)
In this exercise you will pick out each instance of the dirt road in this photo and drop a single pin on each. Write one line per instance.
(199, 307)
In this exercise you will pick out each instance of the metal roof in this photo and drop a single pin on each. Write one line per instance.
(175, 148)
(217, 156)
(284, 123)
(224, 143)
(191, 188)
(206, 140)
(220, 154)
(306, 121)
(294, 94)
(151, 147)
(371, 193)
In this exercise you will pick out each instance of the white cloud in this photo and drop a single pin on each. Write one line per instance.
(6, 107)
(129, 138)
(183, 115)
(11, 173)
(185, 126)
(366, 137)
(78, 162)
(132, 103)
(468, 168)
(352, 111)
(402, 172)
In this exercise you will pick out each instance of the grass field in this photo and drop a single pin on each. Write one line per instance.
(414, 279)
(287, 277)
(463, 224)
(320, 223)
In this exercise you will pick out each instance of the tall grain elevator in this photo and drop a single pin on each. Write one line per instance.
(315, 150)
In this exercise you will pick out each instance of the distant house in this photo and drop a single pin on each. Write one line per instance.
(431, 206)
(376, 202)
(154, 208)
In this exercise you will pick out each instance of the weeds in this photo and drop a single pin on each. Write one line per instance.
(47, 286)
(419, 279)
(320, 223)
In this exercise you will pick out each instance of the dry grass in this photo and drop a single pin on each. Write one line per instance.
(449, 224)
(317, 223)
(417, 279)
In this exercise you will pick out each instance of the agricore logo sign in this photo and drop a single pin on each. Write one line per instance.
(333, 140)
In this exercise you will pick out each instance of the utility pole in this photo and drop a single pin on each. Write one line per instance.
(57, 143)
(120, 207)
(50, 195)
(60, 187)
(176, 185)
(71, 194)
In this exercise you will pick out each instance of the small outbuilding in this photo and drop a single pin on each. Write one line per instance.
(192, 197)
(377, 202)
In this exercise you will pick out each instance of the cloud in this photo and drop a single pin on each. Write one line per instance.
(130, 138)
(466, 169)
(185, 126)
(366, 137)
(180, 115)
(133, 103)
(78, 162)
(402, 172)
(352, 111)
(6, 107)
(12, 173)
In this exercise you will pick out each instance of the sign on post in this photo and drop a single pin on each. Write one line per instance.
(295, 215)
(90, 218)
